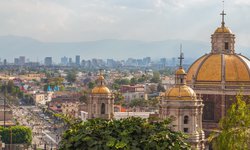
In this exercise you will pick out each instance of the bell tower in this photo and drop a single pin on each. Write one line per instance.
(181, 103)
(101, 101)
(223, 39)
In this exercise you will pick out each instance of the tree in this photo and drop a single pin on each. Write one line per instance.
(119, 98)
(130, 133)
(133, 81)
(156, 77)
(91, 85)
(235, 133)
(137, 102)
(115, 86)
(122, 81)
(71, 76)
(19, 134)
(83, 98)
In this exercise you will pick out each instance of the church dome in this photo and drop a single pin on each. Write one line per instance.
(100, 90)
(214, 68)
(180, 71)
(180, 92)
(223, 30)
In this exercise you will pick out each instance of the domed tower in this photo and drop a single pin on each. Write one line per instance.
(181, 103)
(101, 101)
(219, 76)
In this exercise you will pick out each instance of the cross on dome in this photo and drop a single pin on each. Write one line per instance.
(181, 56)
(223, 16)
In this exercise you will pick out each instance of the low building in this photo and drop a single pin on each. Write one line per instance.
(133, 92)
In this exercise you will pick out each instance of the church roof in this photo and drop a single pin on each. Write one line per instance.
(220, 67)
(223, 30)
(100, 88)
(182, 92)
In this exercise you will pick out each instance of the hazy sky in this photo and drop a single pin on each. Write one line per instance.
(147, 20)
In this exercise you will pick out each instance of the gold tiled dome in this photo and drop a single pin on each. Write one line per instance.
(100, 90)
(222, 30)
(180, 92)
(180, 71)
(219, 67)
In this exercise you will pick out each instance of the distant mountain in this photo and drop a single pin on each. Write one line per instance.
(15, 46)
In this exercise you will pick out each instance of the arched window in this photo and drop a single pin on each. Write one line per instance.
(103, 108)
(185, 119)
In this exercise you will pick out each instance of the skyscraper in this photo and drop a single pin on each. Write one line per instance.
(48, 61)
(78, 60)
(21, 60)
(64, 61)
(16, 61)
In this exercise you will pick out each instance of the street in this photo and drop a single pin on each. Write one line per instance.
(45, 132)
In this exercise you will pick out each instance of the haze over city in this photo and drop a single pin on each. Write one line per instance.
(124, 74)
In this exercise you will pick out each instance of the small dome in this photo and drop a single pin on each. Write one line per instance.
(100, 90)
(180, 71)
(223, 30)
(182, 92)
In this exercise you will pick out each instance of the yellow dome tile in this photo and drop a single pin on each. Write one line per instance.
(210, 69)
(193, 68)
(180, 71)
(100, 90)
(180, 92)
(236, 69)
(222, 30)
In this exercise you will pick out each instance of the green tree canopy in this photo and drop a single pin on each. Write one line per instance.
(235, 133)
(122, 81)
(156, 77)
(71, 76)
(126, 134)
(138, 102)
(20, 135)
(91, 85)
(133, 81)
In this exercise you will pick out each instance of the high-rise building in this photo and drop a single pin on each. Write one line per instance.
(70, 61)
(4, 62)
(48, 61)
(64, 61)
(147, 61)
(21, 60)
(78, 61)
(110, 63)
(16, 61)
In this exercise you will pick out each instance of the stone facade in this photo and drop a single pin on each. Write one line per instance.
(182, 105)
(101, 101)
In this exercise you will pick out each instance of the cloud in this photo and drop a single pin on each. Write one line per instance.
(151, 20)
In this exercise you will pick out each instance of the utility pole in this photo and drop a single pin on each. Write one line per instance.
(4, 104)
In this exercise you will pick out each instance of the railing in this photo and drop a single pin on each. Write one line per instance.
(30, 147)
